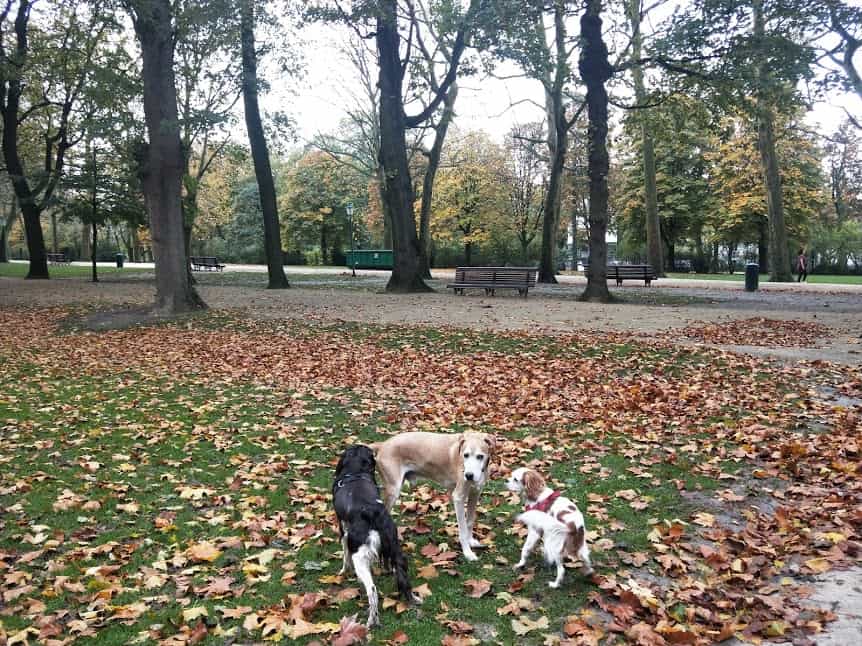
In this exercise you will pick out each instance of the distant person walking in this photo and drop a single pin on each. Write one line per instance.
(801, 266)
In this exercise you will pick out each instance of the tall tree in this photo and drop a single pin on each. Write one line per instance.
(209, 87)
(595, 71)
(544, 53)
(635, 13)
(43, 73)
(260, 152)
(163, 163)
(525, 175)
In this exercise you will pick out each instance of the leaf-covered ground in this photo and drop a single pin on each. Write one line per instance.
(169, 484)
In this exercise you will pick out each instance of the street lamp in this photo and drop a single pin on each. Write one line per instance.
(352, 252)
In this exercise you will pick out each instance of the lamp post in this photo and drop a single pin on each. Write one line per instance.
(352, 252)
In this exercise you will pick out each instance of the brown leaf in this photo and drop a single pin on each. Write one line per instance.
(478, 588)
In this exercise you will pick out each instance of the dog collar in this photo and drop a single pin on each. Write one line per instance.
(350, 477)
(545, 505)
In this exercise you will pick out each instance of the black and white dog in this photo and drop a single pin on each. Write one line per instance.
(367, 530)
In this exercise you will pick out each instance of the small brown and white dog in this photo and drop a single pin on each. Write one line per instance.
(458, 462)
(554, 518)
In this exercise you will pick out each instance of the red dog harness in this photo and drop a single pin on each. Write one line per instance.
(545, 505)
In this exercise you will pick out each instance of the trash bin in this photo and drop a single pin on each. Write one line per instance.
(752, 275)
(119, 261)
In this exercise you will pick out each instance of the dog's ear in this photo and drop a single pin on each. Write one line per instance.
(340, 466)
(491, 441)
(461, 440)
(533, 484)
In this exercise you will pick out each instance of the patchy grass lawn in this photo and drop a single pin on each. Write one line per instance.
(20, 269)
(171, 484)
(764, 278)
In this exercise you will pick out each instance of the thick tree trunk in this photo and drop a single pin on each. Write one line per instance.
(162, 175)
(468, 254)
(85, 241)
(4, 243)
(260, 153)
(780, 261)
(763, 247)
(428, 181)
(558, 130)
(397, 186)
(93, 247)
(595, 71)
(653, 223)
(10, 101)
(780, 269)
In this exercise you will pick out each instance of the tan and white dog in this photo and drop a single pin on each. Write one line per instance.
(458, 462)
(553, 518)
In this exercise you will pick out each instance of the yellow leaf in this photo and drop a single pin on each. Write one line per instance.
(190, 614)
(203, 551)
(525, 625)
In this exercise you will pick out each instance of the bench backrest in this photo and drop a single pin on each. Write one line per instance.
(204, 260)
(525, 276)
(627, 271)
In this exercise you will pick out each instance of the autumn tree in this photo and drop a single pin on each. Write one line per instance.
(43, 75)
(595, 71)
(315, 193)
(163, 163)
(259, 150)
(546, 54)
(525, 176)
(388, 23)
(469, 197)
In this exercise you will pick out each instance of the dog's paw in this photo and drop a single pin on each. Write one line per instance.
(518, 565)
(417, 599)
(470, 555)
(554, 585)
(477, 544)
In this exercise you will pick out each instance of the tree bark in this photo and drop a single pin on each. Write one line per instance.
(10, 101)
(653, 223)
(428, 181)
(558, 130)
(780, 270)
(5, 227)
(163, 172)
(259, 152)
(397, 186)
(763, 247)
(595, 71)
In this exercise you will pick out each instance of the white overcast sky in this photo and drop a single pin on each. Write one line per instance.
(483, 103)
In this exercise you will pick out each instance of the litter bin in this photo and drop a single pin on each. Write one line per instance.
(119, 261)
(752, 275)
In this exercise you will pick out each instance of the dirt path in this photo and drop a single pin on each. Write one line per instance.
(549, 309)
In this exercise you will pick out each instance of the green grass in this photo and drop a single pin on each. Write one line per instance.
(250, 463)
(20, 269)
(740, 277)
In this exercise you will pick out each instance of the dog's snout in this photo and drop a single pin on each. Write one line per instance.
(469, 476)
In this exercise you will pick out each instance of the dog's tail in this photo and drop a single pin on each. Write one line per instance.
(391, 555)
(557, 537)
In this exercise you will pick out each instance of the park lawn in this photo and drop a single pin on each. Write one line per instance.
(20, 269)
(740, 277)
(173, 482)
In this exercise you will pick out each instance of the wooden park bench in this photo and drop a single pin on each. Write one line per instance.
(205, 263)
(493, 278)
(58, 258)
(622, 272)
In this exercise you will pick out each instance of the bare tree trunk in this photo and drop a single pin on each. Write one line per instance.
(163, 172)
(397, 186)
(558, 130)
(85, 240)
(428, 181)
(653, 223)
(93, 252)
(763, 247)
(5, 227)
(780, 270)
(260, 153)
(595, 71)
